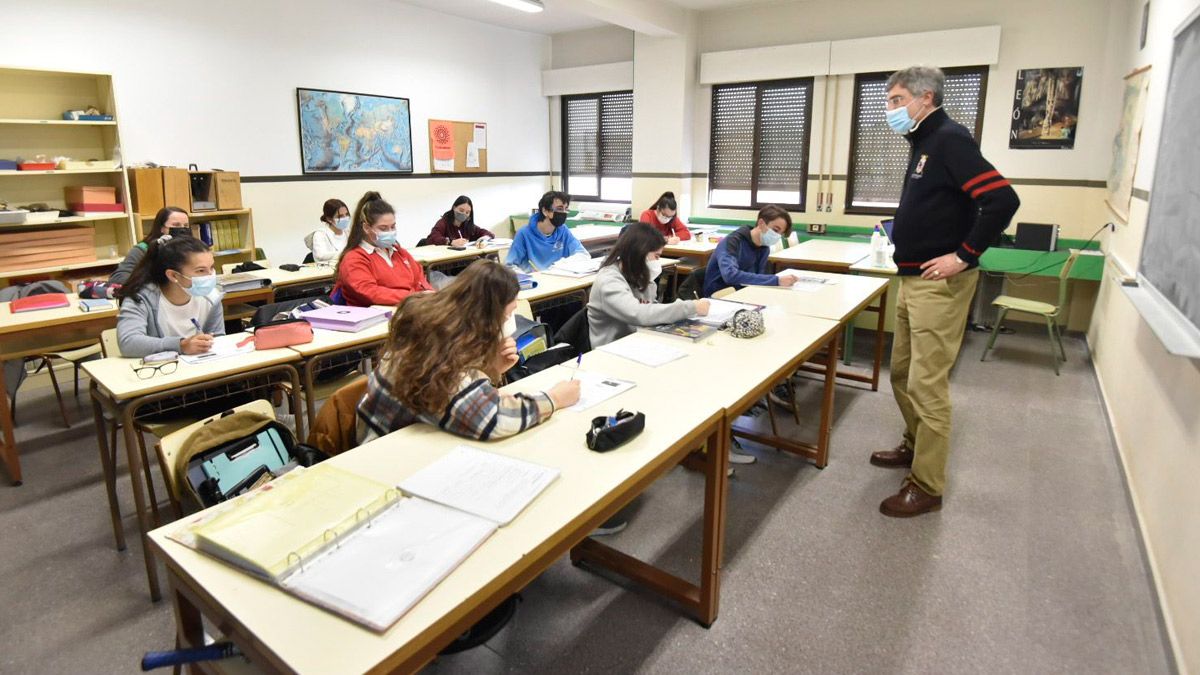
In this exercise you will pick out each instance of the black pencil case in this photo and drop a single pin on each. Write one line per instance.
(610, 433)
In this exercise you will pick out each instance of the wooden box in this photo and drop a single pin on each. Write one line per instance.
(229, 190)
(26, 249)
(177, 189)
(91, 194)
(203, 191)
(146, 190)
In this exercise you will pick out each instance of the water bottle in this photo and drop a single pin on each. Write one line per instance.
(878, 249)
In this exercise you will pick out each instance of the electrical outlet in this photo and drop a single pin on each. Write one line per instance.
(816, 228)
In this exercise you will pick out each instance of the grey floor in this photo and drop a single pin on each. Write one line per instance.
(1033, 565)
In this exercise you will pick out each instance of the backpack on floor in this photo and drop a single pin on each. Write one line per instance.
(234, 454)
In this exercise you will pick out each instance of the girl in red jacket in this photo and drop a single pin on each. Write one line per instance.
(662, 215)
(374, 269)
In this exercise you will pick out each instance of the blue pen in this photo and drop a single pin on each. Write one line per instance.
(578, 360)
(197, 325)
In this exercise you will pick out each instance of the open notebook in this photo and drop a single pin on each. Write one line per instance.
(358, 547)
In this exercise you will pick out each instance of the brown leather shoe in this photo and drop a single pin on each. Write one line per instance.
(900, 456)
(910, 501)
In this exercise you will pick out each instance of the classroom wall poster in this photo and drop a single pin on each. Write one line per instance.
(1126, 143)
(441, 137)
(1046, 108)
(345, 132)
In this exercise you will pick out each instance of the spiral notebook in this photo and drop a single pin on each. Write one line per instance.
(358, 547)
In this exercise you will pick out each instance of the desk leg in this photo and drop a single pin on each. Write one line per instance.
(295, 376)
(847, 351)
(310, 364)
(880, 339)
(110, 470)
(8, 451)
(701, 601)
(823, 432)
(134, 458)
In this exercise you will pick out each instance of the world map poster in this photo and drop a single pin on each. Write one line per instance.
(343, 132)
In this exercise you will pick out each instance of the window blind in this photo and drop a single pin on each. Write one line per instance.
(597, 142)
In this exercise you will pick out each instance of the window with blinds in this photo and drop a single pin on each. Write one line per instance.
(879, 156)
(759, 144)
(597, 131)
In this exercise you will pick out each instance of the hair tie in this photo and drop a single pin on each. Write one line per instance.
(163, 239)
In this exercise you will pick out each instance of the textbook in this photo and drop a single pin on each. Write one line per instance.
(345, 318)
(32, 303)
(94, 305)
(362, 549)
(689, 329)
(240, 281)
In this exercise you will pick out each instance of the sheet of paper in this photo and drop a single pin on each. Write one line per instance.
(721, 311)
(576, 265)
(443, 164)
(807, 283)
(472, 156)
(647, 352)
(482, 483)
(595, 388)
(223, 346)
(380, 571)
(480, 136)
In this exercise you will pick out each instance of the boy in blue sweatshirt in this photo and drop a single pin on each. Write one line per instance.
(544, 240)
(741, 258)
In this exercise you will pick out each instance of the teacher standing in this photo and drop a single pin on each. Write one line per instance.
(954, 203)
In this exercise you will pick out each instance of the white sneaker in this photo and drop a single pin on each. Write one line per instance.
(611, 526)
(741, 458)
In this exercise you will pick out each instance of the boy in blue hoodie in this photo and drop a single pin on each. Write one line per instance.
(544, 240)
(741, 258)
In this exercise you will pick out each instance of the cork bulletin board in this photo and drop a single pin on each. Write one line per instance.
(457, 147)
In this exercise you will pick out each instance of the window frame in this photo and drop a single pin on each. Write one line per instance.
(565, 148)
(848, 207)
(754, 170)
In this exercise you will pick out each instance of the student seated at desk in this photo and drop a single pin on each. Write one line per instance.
(545, 240)
(741, 258)
(457, 226)
(171, 303)
(166, 218)
(443, 357)
(328, 242)
(624, 295)
(373, 268)
(663, 215)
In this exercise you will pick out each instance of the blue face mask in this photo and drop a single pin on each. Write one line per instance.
(899, 120)
(385, 239)
(342, 223)
(770, 238)
(203, 286)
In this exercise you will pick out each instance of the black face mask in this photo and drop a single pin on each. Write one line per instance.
(558, 218)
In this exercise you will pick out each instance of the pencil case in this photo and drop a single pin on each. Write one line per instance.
(610, 433)
(283, 333)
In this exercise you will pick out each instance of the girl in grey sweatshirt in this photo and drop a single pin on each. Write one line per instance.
(624, 294)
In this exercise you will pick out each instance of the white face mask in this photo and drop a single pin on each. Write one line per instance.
(510, 326)
(655, 267)
(665, 219)
(770, 238)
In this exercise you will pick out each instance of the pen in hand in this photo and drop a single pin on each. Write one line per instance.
(578, 360)
(197, 325)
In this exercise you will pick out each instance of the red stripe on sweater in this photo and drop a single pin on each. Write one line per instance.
(979, 179)
(909, 264)
(989, 187)
(971, 250)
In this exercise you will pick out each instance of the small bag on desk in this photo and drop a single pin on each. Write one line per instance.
(284, 333)
(610, 433)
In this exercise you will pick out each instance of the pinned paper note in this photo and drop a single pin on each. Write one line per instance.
(443, 164)
(480, 139)
(472, 156)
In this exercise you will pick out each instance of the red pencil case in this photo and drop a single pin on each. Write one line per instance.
(40, 301)
(283, 333)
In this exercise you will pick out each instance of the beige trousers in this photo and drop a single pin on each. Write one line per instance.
(930, 318)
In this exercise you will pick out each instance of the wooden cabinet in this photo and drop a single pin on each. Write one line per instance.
(32, 124)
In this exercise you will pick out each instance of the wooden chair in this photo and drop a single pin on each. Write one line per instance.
(1051, 313)
(170, 445)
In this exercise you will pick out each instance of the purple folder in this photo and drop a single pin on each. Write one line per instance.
(345, 318)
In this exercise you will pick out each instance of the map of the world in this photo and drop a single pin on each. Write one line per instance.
(343, 132)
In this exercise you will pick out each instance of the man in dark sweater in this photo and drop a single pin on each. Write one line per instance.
(953, 205)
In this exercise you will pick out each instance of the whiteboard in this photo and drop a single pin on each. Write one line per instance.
(1171, 254)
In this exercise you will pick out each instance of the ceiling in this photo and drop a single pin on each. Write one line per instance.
(560, 16)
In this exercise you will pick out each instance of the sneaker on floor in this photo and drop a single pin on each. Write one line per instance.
(741, 458)
(611, 526)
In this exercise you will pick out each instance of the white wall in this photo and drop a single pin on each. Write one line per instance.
(608, 44)
(1152, 396)
(215, 83)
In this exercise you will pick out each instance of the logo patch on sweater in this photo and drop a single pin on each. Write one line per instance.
(920, 165)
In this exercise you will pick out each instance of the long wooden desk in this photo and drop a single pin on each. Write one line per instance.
(432, 257)
(28, 333)
(840, 299)
(282, 633)
(820, 254)
(692, 248)
(115, 389)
